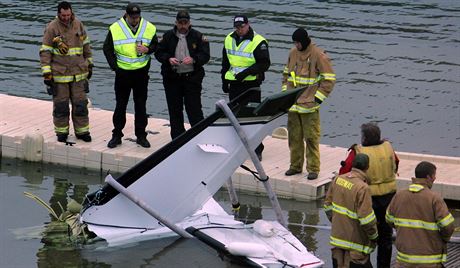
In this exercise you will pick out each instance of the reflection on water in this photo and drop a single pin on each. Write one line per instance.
(55, 240)
(397, 62)
(34, 237)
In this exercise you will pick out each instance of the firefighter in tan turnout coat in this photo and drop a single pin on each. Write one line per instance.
(422, 221)
(348, 205)
(66, 63)
(307, 66)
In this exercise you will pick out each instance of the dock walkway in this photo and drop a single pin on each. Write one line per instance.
(23, 118)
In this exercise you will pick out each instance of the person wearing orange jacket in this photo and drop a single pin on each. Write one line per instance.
(307, 66)
(348, 205)
(382, 182)
(67, 64)
(422, 221)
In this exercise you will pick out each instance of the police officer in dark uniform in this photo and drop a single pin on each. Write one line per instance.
(245, 59)
(182, 52)
(127, 48)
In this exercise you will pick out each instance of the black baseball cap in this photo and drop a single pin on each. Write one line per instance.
(133, 9)
(240, 19)
(182, 15)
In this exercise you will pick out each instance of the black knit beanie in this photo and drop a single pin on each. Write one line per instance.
(300, 35)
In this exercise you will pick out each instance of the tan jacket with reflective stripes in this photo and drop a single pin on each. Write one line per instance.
(312, 68)
(348, 205)
(423, 224)
(73, 65)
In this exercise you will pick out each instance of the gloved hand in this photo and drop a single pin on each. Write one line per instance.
(90, 71)
(63, 48)
(225, 86)
(60, 45)
(50, 86)
(48, 82)
(48, 79)
(51, 89)
(240, 76)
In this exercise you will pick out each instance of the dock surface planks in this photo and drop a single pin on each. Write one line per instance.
(22, 116)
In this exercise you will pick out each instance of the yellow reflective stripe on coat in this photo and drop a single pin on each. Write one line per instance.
(446, 221)
(286, 70)
(73, 51)
(46, 48)
(327, 207)
(328, 76)
(344, 211)
(46, 69)
(389, 217)
(353, 215)
(438, 258)
(301, 80)
(418, 224)
(415, 188)
(350, 245)
(369, 218)
(320, 95)
(64, 130)
(86, 41)
(374, 236)
(293, 79)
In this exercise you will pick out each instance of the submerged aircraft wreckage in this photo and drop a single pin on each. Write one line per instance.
(171, 191)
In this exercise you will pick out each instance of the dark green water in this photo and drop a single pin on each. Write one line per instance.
(29, 237)
(397, 62)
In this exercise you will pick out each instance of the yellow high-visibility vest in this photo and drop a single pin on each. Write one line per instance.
(241, 56)
(124, 43)
(381, 172)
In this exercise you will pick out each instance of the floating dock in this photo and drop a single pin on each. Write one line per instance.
(27, 132)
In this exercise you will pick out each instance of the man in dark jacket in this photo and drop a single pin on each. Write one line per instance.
(245, 59)
(182, 52)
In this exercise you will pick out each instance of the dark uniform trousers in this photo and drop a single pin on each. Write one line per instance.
(125, 81)
(384, 242)
(238, 88)
(183, 90)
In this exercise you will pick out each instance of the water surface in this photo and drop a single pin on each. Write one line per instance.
(29, 236)
(397, 62)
